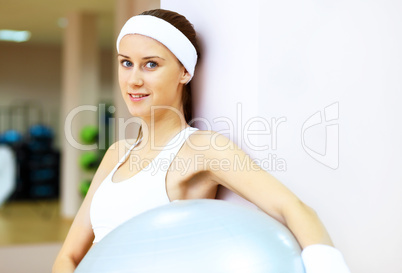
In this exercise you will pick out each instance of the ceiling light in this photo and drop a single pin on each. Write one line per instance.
(14, 35)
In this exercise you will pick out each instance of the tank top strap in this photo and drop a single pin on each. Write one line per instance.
(168, 152)
(178, 140)
(171, 149)
(124, 158)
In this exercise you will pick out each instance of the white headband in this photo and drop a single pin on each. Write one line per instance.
(164, 33)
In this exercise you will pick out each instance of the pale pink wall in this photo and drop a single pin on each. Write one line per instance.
(292, 62)
(340, 61)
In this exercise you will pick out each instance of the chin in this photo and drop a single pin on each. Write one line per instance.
(136, 112)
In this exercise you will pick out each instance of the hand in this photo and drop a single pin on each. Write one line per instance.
(323, 259)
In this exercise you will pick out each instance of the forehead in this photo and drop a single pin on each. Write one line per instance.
(136, 43)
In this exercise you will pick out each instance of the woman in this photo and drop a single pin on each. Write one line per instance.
(157, 54)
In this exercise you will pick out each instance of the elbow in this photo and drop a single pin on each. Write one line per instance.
(304, 223)
(296, 209)
(64, 264)
(308, 209)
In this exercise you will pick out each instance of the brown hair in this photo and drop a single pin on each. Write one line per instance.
(182, 24)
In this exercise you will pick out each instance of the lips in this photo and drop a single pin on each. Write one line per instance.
(138, 96)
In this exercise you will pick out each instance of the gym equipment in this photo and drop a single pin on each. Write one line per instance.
(37, 162)
(89, 160)
(84, 187)
(43, 174)
(12, 137)
(39, 131)
(89, 134)
(40, 138)
(197, 236)
(8, 173)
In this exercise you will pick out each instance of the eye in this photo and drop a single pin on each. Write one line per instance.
(151, 65)
(126, 63)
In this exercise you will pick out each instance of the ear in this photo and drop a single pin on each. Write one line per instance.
(185, 77)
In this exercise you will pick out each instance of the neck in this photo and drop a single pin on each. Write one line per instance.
(161, 127)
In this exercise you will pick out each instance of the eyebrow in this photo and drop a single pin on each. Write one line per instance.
(151, 57)
(124, 56)
(144, 58)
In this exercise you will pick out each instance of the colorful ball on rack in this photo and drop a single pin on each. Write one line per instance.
(84, 187)
(89, 160)
(40, 131)
(11, 137)
(89, 134)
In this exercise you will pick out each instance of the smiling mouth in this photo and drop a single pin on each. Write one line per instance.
(138, 96)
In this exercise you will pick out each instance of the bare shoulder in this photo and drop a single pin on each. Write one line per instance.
(210, 141)
(216, 151)
(115, 152)
(118, 149)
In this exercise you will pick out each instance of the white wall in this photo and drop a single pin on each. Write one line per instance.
(296, 62)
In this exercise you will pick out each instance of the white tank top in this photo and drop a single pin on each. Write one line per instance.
(115, 203)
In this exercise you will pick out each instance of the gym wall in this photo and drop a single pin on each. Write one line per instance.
(33, 72)
(325, 79)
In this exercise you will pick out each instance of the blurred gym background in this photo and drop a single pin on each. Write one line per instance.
(55, 57)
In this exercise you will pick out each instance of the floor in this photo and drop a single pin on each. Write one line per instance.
(32, 222)
(32, 258)
(32, 232)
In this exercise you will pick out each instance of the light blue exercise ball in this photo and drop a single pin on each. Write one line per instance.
(193, 236)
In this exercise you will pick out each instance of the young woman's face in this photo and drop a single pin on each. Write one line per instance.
(149, 75)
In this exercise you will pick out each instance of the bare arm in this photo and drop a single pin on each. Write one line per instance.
(80, 236)
(246, 178)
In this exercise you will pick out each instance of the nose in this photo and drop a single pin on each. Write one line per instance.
(136, 77)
